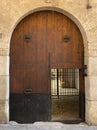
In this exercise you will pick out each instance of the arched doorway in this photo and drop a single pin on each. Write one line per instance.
(46, 61)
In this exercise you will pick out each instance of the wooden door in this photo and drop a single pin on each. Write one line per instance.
(30, 93)
(66, 50)
(41, 41)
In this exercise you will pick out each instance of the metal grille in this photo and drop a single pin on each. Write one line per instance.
(64, 82)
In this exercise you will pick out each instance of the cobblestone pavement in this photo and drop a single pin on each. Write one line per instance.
(46, 126)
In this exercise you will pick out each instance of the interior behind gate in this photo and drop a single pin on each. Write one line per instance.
(65, 94)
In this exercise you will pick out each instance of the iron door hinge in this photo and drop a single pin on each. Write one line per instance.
(85, 70)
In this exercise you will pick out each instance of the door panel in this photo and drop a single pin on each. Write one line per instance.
(41, 41)
(17, 80)
(69, 52)
(32, 76)
(37, 105)
(29, 71)
(17, 106)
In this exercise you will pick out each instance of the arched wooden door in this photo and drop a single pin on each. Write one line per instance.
(41, 41)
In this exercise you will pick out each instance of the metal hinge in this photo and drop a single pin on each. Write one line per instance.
(85, 70)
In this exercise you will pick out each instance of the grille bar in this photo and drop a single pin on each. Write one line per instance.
(64, 82)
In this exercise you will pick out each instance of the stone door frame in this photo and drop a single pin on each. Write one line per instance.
(68, 14)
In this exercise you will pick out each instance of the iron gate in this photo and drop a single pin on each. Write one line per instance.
(64, 82)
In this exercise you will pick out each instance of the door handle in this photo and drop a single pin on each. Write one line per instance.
(28, 91)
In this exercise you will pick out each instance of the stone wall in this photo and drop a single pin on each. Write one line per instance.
(12, 11)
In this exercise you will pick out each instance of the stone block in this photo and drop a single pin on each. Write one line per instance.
(4, 52)
(93, 53)
(91, 112)
(4, 111)
(4, 87)
(92, 46)
(91, 88)
(4, 65)
(92, 66)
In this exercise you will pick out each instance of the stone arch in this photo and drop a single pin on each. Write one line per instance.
(68, 14)
(64, 12)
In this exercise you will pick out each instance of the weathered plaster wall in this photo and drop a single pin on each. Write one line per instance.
(12, 11)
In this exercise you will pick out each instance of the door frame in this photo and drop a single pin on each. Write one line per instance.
(64, 14)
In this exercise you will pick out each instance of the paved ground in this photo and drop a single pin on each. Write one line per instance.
(46, 126)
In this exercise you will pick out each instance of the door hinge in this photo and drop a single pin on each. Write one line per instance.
(85, 70)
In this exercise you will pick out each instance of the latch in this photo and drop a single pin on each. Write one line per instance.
(28, 91)
(66, 39)
(27, 37)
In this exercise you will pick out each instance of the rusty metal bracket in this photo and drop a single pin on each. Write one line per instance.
(85, 70)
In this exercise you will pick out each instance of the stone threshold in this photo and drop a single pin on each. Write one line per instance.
(46, 126)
